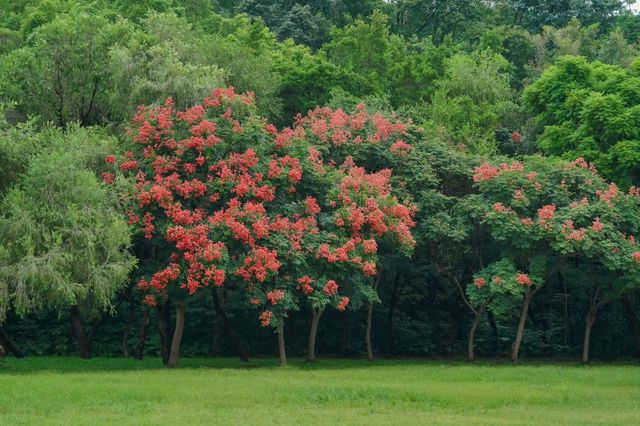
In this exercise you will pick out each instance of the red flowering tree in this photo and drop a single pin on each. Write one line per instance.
(226, 199)
(368, 147)
(362, 211)
(548, 216)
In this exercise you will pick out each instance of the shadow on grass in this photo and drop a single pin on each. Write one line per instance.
(62, 364)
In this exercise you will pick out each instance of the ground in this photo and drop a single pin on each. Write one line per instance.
(61, 390)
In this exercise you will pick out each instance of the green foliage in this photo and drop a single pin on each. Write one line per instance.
(471, 102)
(62, 247)
(61, 73)
(589, 109)
(438, 19)
(534, 14)
(496, 287)
(365, 48)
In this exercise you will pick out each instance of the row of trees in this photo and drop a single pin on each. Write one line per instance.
(426, 207)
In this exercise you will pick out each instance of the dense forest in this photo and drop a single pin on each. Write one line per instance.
(356, 178)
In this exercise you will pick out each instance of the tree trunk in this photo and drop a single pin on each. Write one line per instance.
(142, 340)
(2, 352)
(632, 319)
(218, 301)
(589, 321)
(370, 320)
(9, 345)
(84, 346)
(315, 319)
(515, 349)
(174, 355)
(281, 349)
(163, 329)
(368, 337)
(472, 333)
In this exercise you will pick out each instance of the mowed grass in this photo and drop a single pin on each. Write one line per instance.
(47, 390)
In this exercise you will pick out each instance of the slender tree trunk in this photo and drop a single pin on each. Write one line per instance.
(2, 352)
(315, 319)
(163, 329)
(8, 345)
(83, 342)
(632, 319)
(370, 320)
(589, 321)
(368, 337)
(142, 340)
(472, 332)
(515, 349)
(174, 355)
(218, 301)
(281, 349)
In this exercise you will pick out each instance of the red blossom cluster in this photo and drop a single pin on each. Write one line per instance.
(365, 205)
(331, 287)
(546, 213)
(486, 171)
(479, 282)
(342, 305)
(523, 279)
(336, 127)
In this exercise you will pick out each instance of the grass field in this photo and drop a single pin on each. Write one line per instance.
(62, 390)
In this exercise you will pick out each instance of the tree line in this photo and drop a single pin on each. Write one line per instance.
(407, 178)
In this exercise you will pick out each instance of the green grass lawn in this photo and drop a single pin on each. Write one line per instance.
(44, 390)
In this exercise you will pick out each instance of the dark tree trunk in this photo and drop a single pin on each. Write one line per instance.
(633, 321)
(2, 352)
(174, 355)
(218, 301)
(472, 332)
(281, 348)
(315, 320)
(515, 349)
(8, 345)
(370, 320)
(589, 321)
(84, 347)
(142, 339)
(163, 328)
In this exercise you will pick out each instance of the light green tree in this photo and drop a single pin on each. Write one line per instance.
(63, 242)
